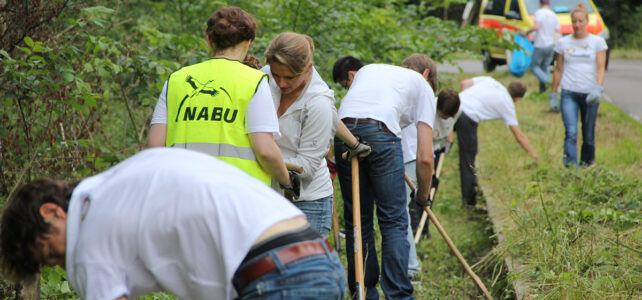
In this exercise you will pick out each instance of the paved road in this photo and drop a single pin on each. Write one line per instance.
(623, 83)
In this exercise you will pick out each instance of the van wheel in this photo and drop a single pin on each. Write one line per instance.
(488, 63)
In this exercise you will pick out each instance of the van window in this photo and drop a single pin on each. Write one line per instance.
(559, 6)
(514, 7)
(495, 7)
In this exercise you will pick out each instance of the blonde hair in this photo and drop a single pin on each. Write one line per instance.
(420, 62)
(581, 8)
(291, 49)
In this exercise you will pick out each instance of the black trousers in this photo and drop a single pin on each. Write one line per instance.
(466, 130)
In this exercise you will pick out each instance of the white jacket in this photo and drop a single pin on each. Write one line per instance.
(307, 129)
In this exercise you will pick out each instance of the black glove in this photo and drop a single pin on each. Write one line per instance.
(422, 202)
(294, 190)
(435, 181)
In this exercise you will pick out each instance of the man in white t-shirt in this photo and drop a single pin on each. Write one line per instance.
(380, 101)
(483, 98)
(168, 219)
(546, 24)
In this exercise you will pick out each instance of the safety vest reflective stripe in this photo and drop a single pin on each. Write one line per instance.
(220, 150)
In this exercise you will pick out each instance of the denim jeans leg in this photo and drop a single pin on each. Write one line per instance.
(314, 277)
(371, 275)
(319, 213)
(588, 113)
(569, 107)
(381, 182)
(413, 261)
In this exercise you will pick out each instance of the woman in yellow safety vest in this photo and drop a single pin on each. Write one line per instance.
(221, 106)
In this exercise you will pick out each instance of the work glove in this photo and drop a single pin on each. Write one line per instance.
(447, 147)
(595, 95)
(361, 149)
(554, 101)
(292, 191)
(421, 202)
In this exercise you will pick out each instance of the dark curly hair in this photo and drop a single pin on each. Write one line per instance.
(22, 223)
(229, 26)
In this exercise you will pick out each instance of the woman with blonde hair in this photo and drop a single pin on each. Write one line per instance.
(580, 68)
(308, 122)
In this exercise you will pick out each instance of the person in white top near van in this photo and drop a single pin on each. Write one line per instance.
(546, 24)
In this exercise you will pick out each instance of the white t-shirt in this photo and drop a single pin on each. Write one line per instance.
(440, 132)
(258, 117)
(487, 99)
(307, 128)
(393, 95)
(549, 23)
(166, 219)
(580, 63)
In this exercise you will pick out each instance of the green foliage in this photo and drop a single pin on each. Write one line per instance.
(55, 284)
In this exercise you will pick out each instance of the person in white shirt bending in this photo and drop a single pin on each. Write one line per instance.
(308, 122)
(381, 100)
(168, 219)
(483, 98)
(546, 24)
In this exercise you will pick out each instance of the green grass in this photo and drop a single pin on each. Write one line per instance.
(626, 53)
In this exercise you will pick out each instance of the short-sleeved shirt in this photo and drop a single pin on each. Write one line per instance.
(549, 23)
(260, 115)
(396, 96)
(580, 61)
(440, 132)
(487, 99)
(166, 219)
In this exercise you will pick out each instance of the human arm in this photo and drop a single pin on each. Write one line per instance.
(122, 298)
(559, 69)
(601, 67)
(466, 83)
(344, 134)
(534, 28)
(157, 135)
(269, 156)
(523, 141)
(425, 161)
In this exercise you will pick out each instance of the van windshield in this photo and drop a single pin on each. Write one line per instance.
(559, 6)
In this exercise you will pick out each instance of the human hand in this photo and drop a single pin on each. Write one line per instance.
(361, 149)
(447, 147)
(420, 201)
(595, 95)
(293, 190)
(554, 101)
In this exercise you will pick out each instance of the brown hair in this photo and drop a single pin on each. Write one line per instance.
(22, 223)
(581, 8)
(448, 102)
(544, 2)
(516, 89)
(291, 49)
(229, 26)
(420, 62)
(252, 61)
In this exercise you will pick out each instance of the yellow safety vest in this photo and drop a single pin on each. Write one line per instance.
(206, 105)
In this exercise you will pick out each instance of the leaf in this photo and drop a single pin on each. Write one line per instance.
(29, 42)
(64, 287)
(5, 54)
(67, 77)
(25, 50)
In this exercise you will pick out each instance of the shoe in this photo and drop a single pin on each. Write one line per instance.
(414, 279)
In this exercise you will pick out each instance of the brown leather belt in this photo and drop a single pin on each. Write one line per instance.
(366, 121)
(297, 251)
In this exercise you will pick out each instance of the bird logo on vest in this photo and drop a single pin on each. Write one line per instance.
(205, 88)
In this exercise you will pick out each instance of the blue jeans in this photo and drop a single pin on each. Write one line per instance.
(541, 59)
(413, 261)
(381, 178)
(573, 102)
(319, 213)
(313, 277)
